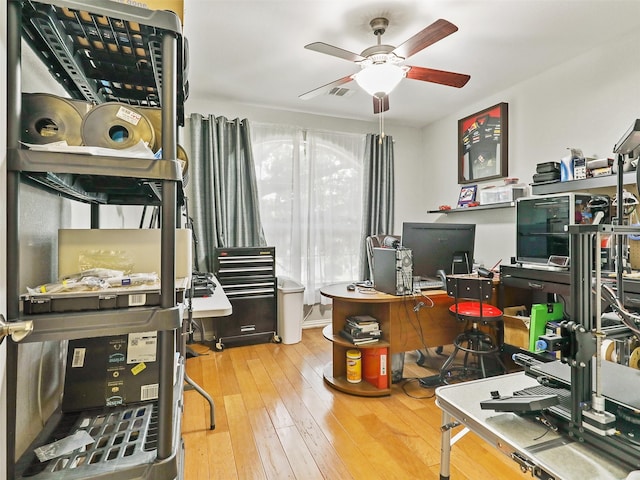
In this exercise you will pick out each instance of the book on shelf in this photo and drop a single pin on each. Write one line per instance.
(362, 319)
(364, 323)
(359, 341)
(357, 332)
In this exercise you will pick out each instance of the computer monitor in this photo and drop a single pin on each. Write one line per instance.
(439, 246)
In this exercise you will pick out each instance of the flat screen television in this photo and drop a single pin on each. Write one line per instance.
(440, 246)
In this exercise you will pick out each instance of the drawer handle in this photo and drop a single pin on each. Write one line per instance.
(537, 286)
(247, 328)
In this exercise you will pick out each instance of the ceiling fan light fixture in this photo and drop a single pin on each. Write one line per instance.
(379, 79)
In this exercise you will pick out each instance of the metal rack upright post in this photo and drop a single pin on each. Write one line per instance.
(41, 24)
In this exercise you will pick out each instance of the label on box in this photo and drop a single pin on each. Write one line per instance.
(383, 364)
(128, 115)
(142, 347)
(148, 392)
(79, 355)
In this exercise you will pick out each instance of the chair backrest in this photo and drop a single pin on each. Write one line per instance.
(471, 296)
(376, 241)
(469, 287)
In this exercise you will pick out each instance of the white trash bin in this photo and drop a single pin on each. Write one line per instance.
(290, 310)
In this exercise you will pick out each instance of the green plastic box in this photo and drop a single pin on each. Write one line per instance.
(541, 313)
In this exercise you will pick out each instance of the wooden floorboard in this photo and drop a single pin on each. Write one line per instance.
(275, 418)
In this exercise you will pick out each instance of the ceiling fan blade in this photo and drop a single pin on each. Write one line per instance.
(334, 51)
(428, 36)
(380, 104)
(450, 79)
(325, 88)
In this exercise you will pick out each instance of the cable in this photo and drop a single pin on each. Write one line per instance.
(412, 380)
(40, 367)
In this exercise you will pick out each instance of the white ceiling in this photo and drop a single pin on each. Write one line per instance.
(252, 52)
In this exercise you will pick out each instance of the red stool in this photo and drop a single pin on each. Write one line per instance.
(471, 296)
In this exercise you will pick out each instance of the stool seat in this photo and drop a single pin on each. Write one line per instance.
(475, 310)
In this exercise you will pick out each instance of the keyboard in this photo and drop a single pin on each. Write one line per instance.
(431, 284)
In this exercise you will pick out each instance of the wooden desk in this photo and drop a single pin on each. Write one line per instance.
(403, 328)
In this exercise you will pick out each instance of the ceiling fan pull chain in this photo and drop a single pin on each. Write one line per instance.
(381, 121)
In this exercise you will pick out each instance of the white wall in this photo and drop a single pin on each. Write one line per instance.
(588, 103)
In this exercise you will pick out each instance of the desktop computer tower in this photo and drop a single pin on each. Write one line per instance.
(393, 270)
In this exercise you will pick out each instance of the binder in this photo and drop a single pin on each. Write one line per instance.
(374, 366)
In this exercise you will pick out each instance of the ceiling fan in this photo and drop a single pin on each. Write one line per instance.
(381, 65)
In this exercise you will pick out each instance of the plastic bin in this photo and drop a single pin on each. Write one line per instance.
(290, 310)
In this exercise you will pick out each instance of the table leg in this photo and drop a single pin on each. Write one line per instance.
(445, 446)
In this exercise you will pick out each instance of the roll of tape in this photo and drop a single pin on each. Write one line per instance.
(118, 126)
(634, 359)
(607, 348)
(46, 119)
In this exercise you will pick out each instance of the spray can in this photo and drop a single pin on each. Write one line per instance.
(354, 366)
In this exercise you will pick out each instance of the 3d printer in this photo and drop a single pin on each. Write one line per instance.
(592, 399)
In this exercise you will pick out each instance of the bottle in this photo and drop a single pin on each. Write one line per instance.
(354, 366)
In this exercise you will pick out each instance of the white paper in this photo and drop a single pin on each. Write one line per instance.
(139, 150)
(63, 446)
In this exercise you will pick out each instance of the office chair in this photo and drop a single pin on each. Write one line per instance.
(471, 295)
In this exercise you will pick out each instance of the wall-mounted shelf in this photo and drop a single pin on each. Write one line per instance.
(492, 206)
(629, 178)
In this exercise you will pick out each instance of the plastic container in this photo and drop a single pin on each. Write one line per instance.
(354, 366)
(397, 367)
(290, 310)
(502, 194)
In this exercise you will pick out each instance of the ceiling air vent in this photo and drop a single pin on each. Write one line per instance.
(340, 92)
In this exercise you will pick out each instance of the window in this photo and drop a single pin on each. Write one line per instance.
(310, 189)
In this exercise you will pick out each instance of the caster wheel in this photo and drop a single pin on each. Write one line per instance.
(276, 339)
(219, 346)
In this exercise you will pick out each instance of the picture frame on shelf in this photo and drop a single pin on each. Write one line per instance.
(467, 195)
(483, 145)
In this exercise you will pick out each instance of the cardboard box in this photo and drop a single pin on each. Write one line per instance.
(111, 371)
(139, 245)
(176, 6)
(516, 327)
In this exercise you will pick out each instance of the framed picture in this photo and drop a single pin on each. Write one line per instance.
(467, 195)
(483, 145)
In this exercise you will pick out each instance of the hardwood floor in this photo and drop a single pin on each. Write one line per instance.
(277, 419)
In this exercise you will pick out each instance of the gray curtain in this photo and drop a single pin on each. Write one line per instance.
(223, 198)
(378, 191)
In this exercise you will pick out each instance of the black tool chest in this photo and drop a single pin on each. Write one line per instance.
(248, 277)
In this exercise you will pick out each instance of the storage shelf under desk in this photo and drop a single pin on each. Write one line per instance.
(399, 323)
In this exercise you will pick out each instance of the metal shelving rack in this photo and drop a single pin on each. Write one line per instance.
(51, 28)
(607, 181)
